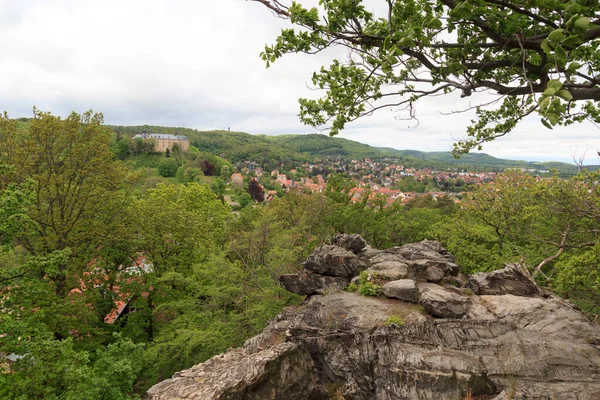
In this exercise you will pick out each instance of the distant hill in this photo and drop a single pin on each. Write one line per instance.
(322, 145)
(485, 160)
(240, 146)
(234, 146)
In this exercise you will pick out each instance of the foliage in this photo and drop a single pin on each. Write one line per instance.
(384, 225)
(167, 167)
(394, 320)
(245, 199)
(79, 190)
(178, 225)
(541, 60)
(369, 284)
(53, 369)
(550, 224)
(578, 279)
(256, 191)
(369, 289)
(218, 186)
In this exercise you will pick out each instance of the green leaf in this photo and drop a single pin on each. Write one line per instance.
(546, 47)
(546, 124)
(553, 118)
(561, 54)
(557, 35)
(582, 23)
(573, 67)
(564, 94)
(435, 23)
(555, 84)
(572, 41)
(572, 8)
(549, 92)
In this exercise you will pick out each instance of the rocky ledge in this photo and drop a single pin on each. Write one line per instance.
(427, 333)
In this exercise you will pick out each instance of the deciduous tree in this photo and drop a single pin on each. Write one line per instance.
(257, 192)
(538, 56)
(78, 190)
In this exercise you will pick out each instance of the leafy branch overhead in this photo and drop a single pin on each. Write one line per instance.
(533, 56)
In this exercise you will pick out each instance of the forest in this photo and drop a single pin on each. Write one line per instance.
(110, 284)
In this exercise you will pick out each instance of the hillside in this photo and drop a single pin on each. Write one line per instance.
(234, 146)
(241, 146)
(322, 145)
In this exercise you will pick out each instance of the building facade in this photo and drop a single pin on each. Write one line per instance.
(166, 141)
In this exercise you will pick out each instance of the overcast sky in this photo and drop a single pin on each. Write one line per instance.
(195, 63)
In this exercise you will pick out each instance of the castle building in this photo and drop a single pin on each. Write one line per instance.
(166, 141)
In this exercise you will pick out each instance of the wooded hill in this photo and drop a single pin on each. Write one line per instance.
(240, 146)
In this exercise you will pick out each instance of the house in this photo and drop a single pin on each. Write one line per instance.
(96, 278)
(237, 180)
(164, 142)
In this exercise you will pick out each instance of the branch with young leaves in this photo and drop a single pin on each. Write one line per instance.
(541, 53)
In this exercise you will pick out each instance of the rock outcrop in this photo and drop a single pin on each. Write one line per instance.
(428, 335)
(512, 279)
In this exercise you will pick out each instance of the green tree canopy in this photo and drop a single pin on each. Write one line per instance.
(179, 225)
(538, 56)
(78, 191)
(167, 167)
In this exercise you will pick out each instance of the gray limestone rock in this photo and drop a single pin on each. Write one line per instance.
(391, 270)
(307, 283)
(354, 243)
(333, 260)
(403, 289)
(512, 279)
(443, 303)
(507, 342)
(433, 274)
(427, 249)
(421, 265)
(285, 370)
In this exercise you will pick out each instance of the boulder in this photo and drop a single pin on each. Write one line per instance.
(447, 267)
(385, 256)
(391, 270)
(522, 347)
(427, 249)
(403, 289)
(307, 283)
(433, 274)
(387, 274)
(443, 303)
(512, 279)
(333, 260)
(369, 252)
(354, 243)
(457, 281)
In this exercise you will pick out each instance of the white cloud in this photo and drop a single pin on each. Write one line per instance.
(196, 64)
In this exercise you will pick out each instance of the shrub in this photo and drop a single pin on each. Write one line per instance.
(369, 289)
(368, 284)
(167, 167)
(352, 287)
(394, 320)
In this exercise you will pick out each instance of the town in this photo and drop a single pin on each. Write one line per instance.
(385, 177)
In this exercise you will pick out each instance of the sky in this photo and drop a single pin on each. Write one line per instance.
(196, 64)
